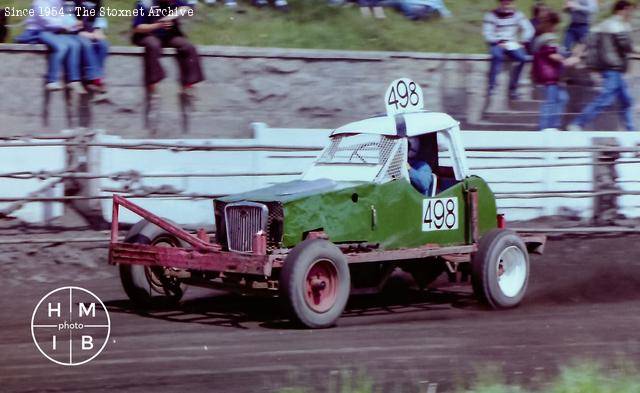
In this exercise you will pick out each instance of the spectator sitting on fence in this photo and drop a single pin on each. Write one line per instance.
(581, 12)
(94, 44)
(53, 31)
(419, 9)
(227, 3)
(609, 54)
(280, 5)
(548, 62)
(154, 32)
(3, 25)
(501, 28)
(371, 7)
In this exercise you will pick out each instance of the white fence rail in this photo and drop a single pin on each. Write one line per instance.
(533, 174)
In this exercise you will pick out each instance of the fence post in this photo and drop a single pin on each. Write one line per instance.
(549, 181)
(82, 160)
(605, 177)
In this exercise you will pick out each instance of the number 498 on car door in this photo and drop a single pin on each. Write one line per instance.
(439, 214)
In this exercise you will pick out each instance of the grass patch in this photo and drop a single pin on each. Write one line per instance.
(314, 24)
(582, 377)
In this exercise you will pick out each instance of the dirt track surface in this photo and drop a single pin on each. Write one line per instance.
(583, 303)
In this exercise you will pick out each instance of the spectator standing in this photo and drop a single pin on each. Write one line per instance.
(505, 29)
(154, 32)
(539, 11)
(53, 30)
(94, 44)
(548, 62)
(580, 12)
(612, 45)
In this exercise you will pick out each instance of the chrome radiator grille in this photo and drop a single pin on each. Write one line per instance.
(242, 221)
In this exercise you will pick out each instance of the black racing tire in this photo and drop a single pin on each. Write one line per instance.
(315, 283)
(500, 269)
(149, 286)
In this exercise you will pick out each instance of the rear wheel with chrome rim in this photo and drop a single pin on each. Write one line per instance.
(500, 269)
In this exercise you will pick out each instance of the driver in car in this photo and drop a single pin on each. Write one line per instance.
(420, 172)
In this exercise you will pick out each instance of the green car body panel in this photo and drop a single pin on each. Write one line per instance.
(388, 214)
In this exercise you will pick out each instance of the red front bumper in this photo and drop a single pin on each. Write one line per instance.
(203, 255)
(217, 261)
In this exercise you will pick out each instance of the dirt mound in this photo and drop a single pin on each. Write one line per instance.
(573, 270)
(48, 263)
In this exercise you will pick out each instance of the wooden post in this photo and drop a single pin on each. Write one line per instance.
(605, 176)
(185, 109)
(81, 159)
(151, 111)
(47, 95)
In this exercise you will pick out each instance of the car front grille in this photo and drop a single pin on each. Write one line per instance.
(242, 221)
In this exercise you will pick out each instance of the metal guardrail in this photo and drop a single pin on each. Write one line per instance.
(547, 230)
(75, 142)
(17, 143)
(82, 143)
(68, 141)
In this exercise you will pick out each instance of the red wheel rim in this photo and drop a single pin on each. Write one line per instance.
(321, 285)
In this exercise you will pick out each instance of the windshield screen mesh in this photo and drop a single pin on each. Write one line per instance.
(365, 149)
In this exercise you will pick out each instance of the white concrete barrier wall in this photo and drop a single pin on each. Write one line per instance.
(503, 178)
(559, 177)
(31, 159)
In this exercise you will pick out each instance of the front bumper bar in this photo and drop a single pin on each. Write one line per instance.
(217, 261)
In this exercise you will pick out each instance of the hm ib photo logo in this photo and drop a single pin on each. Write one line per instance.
(70, 326)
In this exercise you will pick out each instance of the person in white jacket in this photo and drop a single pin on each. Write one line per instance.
(505, 29)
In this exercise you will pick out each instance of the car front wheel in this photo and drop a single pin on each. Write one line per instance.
(152, 286)
(315, 283)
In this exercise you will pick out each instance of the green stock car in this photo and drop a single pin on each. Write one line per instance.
(344, 227)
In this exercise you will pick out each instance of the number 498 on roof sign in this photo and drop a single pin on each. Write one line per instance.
(403, 95)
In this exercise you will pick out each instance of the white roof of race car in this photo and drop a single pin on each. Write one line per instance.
(402, 124)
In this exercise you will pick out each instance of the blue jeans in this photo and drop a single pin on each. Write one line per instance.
(94, 55)
(62, 49)
(614, 87)
(497, 57)
(552, 109)
(410, 11)
(575, 34)
(421, 176)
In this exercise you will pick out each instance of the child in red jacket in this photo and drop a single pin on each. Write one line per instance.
(548, 62)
